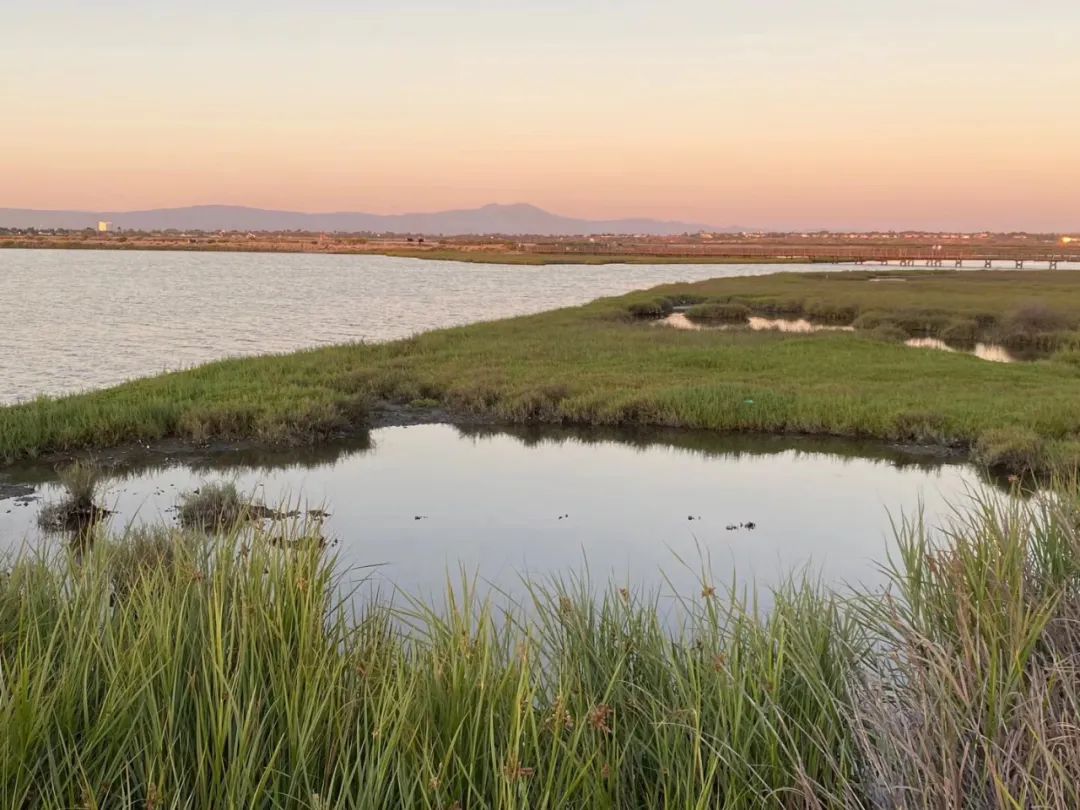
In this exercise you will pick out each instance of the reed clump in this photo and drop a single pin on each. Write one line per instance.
(78, 509)
(214, 506)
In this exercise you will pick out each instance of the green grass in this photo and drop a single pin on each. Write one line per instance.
(166, 669)
(598, 365)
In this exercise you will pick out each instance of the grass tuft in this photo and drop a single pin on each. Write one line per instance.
(78, 510)
(216, 505)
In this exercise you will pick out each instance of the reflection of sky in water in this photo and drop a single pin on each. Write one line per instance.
(984, 351)
(492, 505)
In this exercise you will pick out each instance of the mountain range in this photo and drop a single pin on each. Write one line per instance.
(518, 219)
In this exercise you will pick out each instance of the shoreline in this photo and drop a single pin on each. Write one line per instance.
(578, 251)
(447, 255)
(173, 450)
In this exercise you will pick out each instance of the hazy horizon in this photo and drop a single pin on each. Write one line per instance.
(899, 115)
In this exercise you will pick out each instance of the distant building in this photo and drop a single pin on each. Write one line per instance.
(104, 227)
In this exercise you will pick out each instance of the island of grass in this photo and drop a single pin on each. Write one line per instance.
(609, 363)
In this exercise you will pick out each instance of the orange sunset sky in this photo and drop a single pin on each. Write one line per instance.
(952, 115)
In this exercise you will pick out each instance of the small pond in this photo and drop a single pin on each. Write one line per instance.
(426, 500)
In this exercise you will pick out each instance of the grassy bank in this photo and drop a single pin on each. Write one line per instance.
(601, 365)
(167, 670)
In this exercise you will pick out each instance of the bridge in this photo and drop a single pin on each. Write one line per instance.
(944, 258)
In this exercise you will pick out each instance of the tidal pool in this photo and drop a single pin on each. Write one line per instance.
(647, 509)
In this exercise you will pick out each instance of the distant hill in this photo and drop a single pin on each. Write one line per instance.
(518, 219)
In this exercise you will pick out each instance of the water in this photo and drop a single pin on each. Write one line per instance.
(678, 320)
(541, 502)
(74, 320)
(984, 351)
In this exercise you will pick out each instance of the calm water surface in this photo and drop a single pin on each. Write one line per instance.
(503, 504)
(74, 320)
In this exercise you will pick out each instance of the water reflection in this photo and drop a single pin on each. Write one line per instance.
(679, 320)
(984, 351)
(425, 500)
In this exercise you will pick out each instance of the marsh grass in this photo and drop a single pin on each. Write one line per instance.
(719, 313)
(214, 505)
(597, 365)
(976, 704)
(168, 668)
(958, 307)
(78, 510)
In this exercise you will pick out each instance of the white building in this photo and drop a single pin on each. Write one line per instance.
(104, 227)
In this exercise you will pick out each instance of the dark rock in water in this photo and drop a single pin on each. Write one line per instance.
(16, 491)
(751, 525)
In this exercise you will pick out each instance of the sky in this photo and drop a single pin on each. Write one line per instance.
(847, 115)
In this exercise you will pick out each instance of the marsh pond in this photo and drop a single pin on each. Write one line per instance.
(650, 509)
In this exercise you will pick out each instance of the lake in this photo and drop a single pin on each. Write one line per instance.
(76, 319)
(421, 501)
